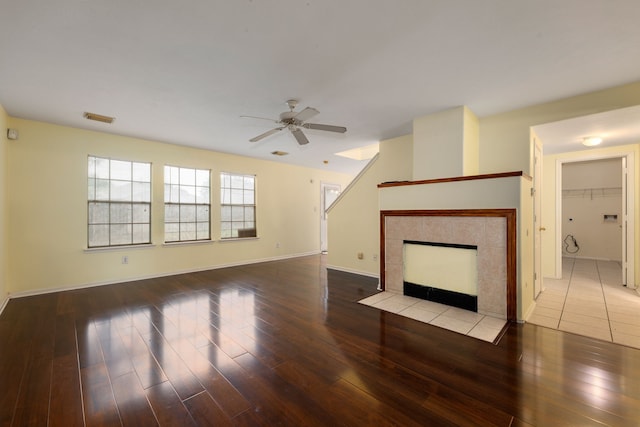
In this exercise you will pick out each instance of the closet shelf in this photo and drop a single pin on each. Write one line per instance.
(592, 192)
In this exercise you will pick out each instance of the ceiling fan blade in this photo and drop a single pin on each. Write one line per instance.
(306, 114)
(330, 128)
(266, 134)
(259, 118)
(300, 137)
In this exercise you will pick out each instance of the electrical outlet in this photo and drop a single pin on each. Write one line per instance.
(375, 257)
(360, 255)
(278, 245)
(125, 259)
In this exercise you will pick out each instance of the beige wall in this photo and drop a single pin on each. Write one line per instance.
(4, 241)
(445, 144)
(591, 190)
(504, 138)
(354, 221)
(48, 210)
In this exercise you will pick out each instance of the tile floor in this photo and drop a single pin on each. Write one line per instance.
(590, 301)
(455, 319)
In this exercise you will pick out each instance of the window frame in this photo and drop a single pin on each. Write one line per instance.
(249, 204)
(97, 195)
(168, 197)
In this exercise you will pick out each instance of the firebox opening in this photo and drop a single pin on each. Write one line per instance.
(441, 272)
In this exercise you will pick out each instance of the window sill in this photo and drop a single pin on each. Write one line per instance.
(119, 248)
(238, 239)
(190, 242)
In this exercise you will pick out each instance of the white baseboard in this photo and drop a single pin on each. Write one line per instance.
(525, 317)
(4, 303)
(152, 276)
(349, 270)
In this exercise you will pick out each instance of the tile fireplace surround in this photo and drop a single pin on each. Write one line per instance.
(488, 229)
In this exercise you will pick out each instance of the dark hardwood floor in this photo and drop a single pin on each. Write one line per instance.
(286, 343)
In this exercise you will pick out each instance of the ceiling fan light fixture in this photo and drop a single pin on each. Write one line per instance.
(279, 153)
(591, 141)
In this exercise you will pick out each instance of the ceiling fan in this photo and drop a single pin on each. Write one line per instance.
(294, 121)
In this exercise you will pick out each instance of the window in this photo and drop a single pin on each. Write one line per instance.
(119, 203)
(186, 204)
(238, 203)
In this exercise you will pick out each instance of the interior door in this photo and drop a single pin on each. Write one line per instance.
(537, 218)
(330, 193)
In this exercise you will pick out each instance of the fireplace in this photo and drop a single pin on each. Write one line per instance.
(490, 231)
(441, 272)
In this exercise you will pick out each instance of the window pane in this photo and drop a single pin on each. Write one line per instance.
(203, 177)
(202, 195)
(237, 181)
(237, 213)
(225, 180)
(236, 197)
(187, 194)
(226, 213)
(167, 193)
(184, 187)
(202, 213)
(187, 213)
(102, 168)
(171, 213)
(91, 190)
(225, 230)
(237, 194)
(172, 232)
(98, 213)
(120, 213)
(120, 170)
(175, 194)
(202, 230)
(187, 177)
(141, 192)
(141, 172)
(141, 233)
(141, 213)
(249, 182)
(248, 198)
(249, 214)
(225, 196)
(98, 235)
(187, 231)
(121, 234)
(91, 170)
(112, 186)
(102, 189)
(120, 191)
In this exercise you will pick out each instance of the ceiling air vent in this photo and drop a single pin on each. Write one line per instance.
(99, 118)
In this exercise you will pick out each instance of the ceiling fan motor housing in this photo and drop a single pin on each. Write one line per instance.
(288, 117)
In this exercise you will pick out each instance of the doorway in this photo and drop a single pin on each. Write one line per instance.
(328, 194)
(596, 219)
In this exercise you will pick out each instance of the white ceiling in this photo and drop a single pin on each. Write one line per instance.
(183, 72)
(616, 127)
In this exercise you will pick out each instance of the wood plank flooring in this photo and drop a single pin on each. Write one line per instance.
(286, 343)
